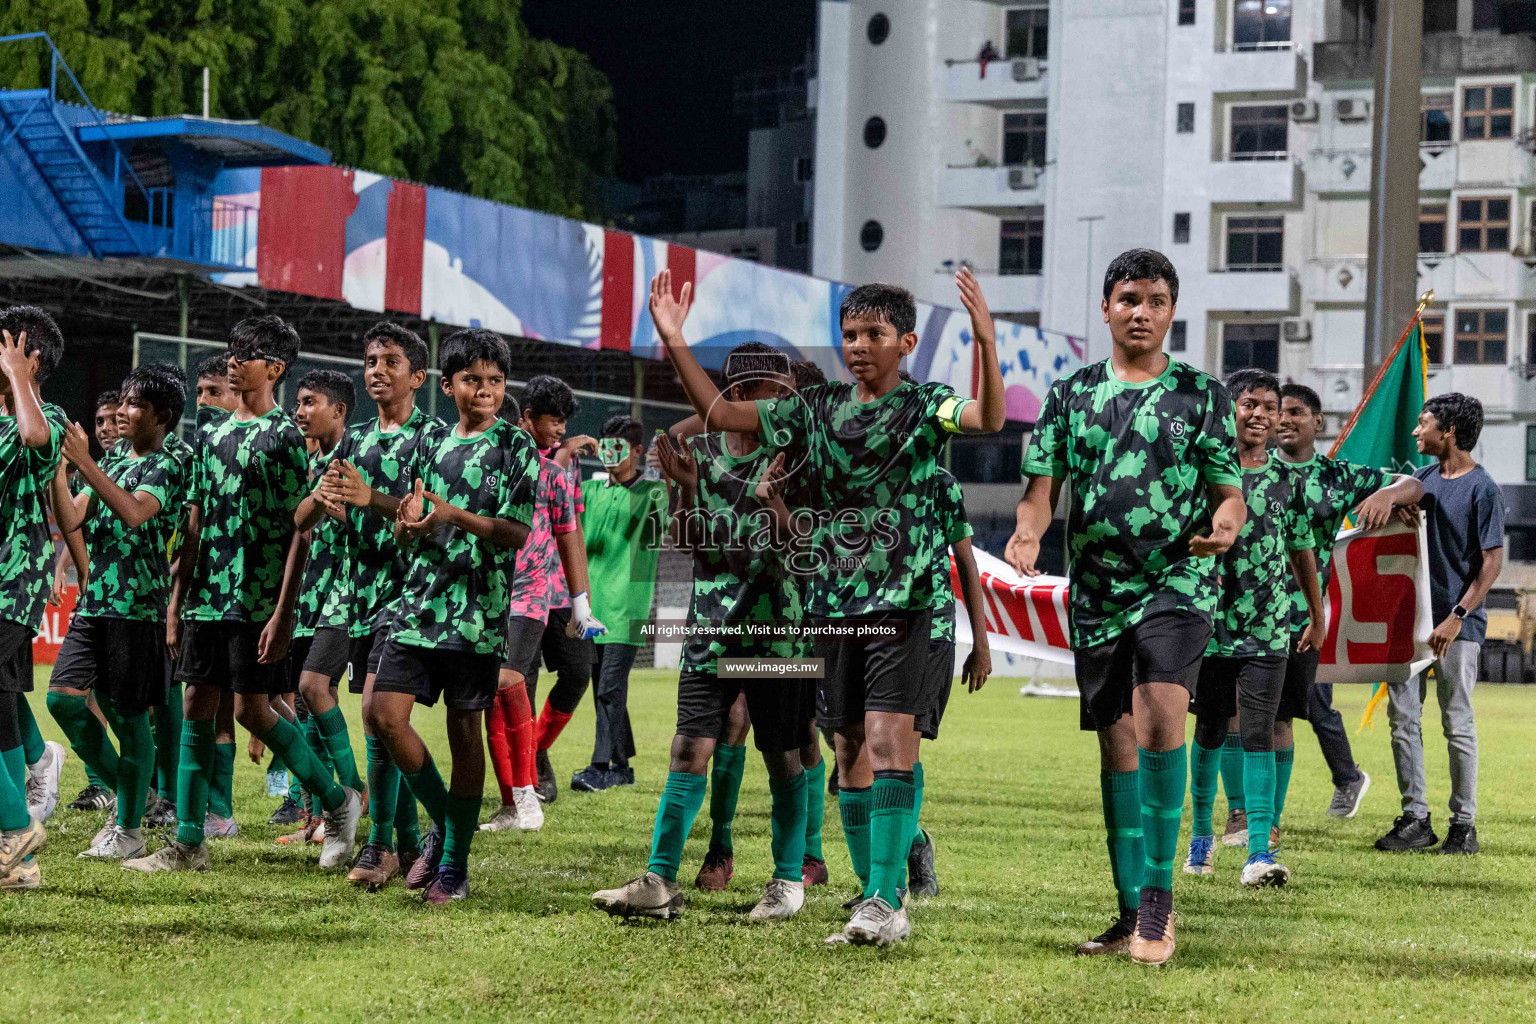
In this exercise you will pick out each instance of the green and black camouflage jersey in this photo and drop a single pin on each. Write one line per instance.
(247, 479)
(950, 508)
(458, 592)
(1253, 613)
(739, 576)
(1138, 461)
(379, 567)
(130, 574)
(870, 469)
(1331, 489)
(325, 595)
(26, 548)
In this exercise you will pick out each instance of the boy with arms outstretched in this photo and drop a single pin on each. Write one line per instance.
(128, 509)
(869, 451)
(237, 580)
(463, 522)
(1145, 446)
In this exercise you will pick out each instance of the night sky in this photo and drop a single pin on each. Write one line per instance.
(673, 64)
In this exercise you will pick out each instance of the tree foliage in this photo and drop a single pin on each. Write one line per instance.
(447, 92)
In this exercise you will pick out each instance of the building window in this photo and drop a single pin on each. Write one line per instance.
(1434, 339)
(1485, 15)
(871, 235)
(1180, 228)
(874, 132)
(1255, 243)
(1024, 139)
(1482, 336)
(1261, 24)
(1530, 339)
(1482, 225)
(1439, 16)
(1186, 12)
(878, 29)
(1432, 228)
(1021, 246)
(1028, 32)
(1435, 113)
(802, 236)
(804, 168)
(1488, 112)
(1245, 345)
(1178, 336)
(1186, 120)
(1530, 452)
(1259, 133)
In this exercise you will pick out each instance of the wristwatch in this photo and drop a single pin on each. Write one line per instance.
(1459, 612)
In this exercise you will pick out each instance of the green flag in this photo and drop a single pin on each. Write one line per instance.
(1380, 432)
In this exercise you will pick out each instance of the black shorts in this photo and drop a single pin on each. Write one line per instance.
(1260, 680)
(464, 679)
(873, 675)
(525, 642)
(121, 659)
(937, 682)
(1300, 675)
(1162, 648)
(780, 709)
(329, 653)
(224, 654)
(363, 654)
(16, 657)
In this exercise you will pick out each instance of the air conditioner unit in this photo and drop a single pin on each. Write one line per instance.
(1026, 69)
(1352, 109)
(1303, 111)
(1022, 178)
(1296, 328)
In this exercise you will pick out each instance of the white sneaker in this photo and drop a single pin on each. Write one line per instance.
(504, 818)
(647, 895)
(1263, 871)
(782, 899)
(43, 782)
(172, 857)
(118, 844)
(102, 834)
(877, 923)
(341, 831)
(530, 816)
(215, 827)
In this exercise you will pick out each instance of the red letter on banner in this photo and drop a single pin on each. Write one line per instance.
(1329, 655)
(1387, 598)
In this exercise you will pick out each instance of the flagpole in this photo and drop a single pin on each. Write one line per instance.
(1381, 371)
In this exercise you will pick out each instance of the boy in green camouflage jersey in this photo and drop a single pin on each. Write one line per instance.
(237, 581)
(368, 478)
(1145, 444)
(468, 513)
(1244, 669)
(128, 509)
(869, 449)
(1332, 488)
(31, 440)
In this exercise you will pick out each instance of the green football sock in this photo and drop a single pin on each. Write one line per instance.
(31, 739)
(463, 822)
(1285, 759)
(788, 826)
(679, 804)
(135, 766)
(168, 744)
(284, 738)
(333, 728)
(13, 787)
(917, 801)
(1121, 797)
(427, 785)
(86, 737)
(890, 834)
(1204, 766)
(853, 807)
(194, 777)
(1259, 785)
(1162, 805)
(1232, 771)
(221, 787)
(383, 792)
(295, 790)
(407, 818)
(815, 808)
(724, 788)
(276, 763)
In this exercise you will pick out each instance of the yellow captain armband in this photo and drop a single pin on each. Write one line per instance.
(949, 412)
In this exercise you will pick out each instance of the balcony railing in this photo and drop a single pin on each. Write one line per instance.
(1442, 55)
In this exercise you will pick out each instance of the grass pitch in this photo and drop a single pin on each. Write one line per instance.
(1013, 803)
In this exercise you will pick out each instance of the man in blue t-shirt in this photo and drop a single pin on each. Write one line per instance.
(1464, 518)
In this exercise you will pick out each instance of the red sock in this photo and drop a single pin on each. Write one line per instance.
(519, 715)
(550, 724)
(496, 735)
